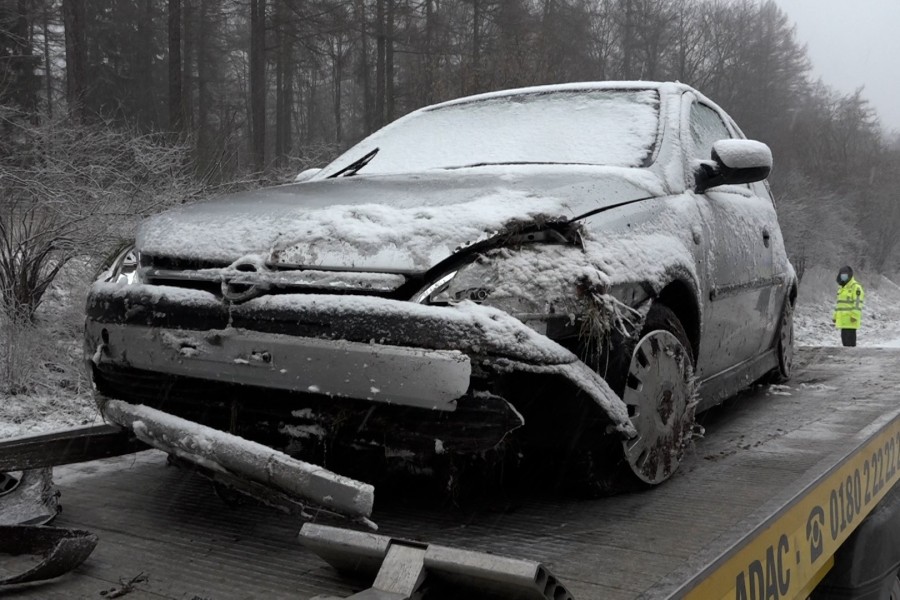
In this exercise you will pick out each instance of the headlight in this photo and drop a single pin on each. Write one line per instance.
(430, 293)
(454, 287)
(478, 282)
(535, 279)
(124, 268)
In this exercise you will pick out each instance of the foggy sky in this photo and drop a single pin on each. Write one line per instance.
(854, 43)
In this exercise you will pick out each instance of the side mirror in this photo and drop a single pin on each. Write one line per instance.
(306, 175)
(733, 162)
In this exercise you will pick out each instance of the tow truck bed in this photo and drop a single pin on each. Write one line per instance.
(766, 455)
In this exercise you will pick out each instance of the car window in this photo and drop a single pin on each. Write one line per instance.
(707, 128)
(762, 189)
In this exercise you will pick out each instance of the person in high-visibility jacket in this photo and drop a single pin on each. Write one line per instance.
(848, 310)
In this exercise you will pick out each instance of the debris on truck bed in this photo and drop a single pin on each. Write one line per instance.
(29, 553)
(27, 497)
(222, 452)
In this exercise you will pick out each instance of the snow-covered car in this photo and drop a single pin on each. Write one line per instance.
(561, 273)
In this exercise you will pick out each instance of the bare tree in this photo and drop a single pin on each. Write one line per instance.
(75, 18)
(176, 100)
(258, 83)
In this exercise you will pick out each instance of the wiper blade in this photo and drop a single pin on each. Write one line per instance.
(354, 167)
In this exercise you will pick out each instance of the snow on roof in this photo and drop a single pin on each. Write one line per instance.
(661, 87)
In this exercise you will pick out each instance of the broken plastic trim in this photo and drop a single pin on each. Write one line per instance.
(31, 500)
(60, 550)
(226, 453)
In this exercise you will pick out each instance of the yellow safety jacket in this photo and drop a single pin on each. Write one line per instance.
(848, 310)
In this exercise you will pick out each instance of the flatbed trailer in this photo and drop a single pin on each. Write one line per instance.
(765, 505)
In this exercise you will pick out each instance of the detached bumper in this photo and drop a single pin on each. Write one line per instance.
(232, 455)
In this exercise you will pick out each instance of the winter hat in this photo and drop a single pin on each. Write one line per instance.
(844, 270)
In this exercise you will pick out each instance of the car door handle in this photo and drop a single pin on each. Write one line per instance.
(766, 237)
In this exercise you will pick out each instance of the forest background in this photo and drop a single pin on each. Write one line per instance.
(114, 109)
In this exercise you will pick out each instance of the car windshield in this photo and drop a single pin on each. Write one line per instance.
(596, 127)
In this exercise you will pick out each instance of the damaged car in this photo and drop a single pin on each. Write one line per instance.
(562, 273)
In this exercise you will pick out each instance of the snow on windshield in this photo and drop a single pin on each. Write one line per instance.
(599, 127)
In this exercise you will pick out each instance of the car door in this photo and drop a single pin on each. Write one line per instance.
(738, 228)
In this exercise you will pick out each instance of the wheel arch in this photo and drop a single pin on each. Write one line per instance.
(682, 300)
(792, 293)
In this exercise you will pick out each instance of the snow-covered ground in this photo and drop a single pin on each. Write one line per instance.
(48, 360)
(881, 315)
(43, 412)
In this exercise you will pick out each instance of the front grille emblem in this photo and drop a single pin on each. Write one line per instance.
(241, 288)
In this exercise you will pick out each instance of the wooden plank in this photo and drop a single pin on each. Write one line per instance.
(66, 447)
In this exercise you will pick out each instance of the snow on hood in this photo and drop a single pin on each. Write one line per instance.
(390, 223)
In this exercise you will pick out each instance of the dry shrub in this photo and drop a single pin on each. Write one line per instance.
(20, 353)
(69, 194)
(76, 190)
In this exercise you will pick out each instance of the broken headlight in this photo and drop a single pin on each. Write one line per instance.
(483, 281)
(536, 283)
(124, 268)
(453, 287)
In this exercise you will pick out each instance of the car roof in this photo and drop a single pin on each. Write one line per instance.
(664, 88)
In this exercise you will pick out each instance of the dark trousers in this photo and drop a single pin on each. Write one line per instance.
(848, 337)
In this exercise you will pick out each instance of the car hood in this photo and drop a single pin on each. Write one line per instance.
(388, 223)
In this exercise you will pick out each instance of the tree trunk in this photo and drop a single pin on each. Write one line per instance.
(176, 101)
(389, 64)
(144, 108)
(337, 76)
(379, 65)
(476, 48)
(311, 107)
(204, 98)
(258, 83)
(188, 18)
(628, 42)
(283, 83)
(363, 67)
(287, 119)
(48, 80)
(428, 87)
(76, 57)
(25, 85)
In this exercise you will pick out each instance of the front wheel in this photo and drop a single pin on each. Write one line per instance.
(660, 395)
(785, 347)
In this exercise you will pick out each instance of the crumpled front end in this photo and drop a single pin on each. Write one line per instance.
(323, 347)
(360, 385)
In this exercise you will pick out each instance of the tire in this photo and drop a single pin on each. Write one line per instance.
(660, 394)
(609, 465)
(785, 345)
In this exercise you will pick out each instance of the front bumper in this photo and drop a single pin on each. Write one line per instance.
(364, 348)
(414, 377)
